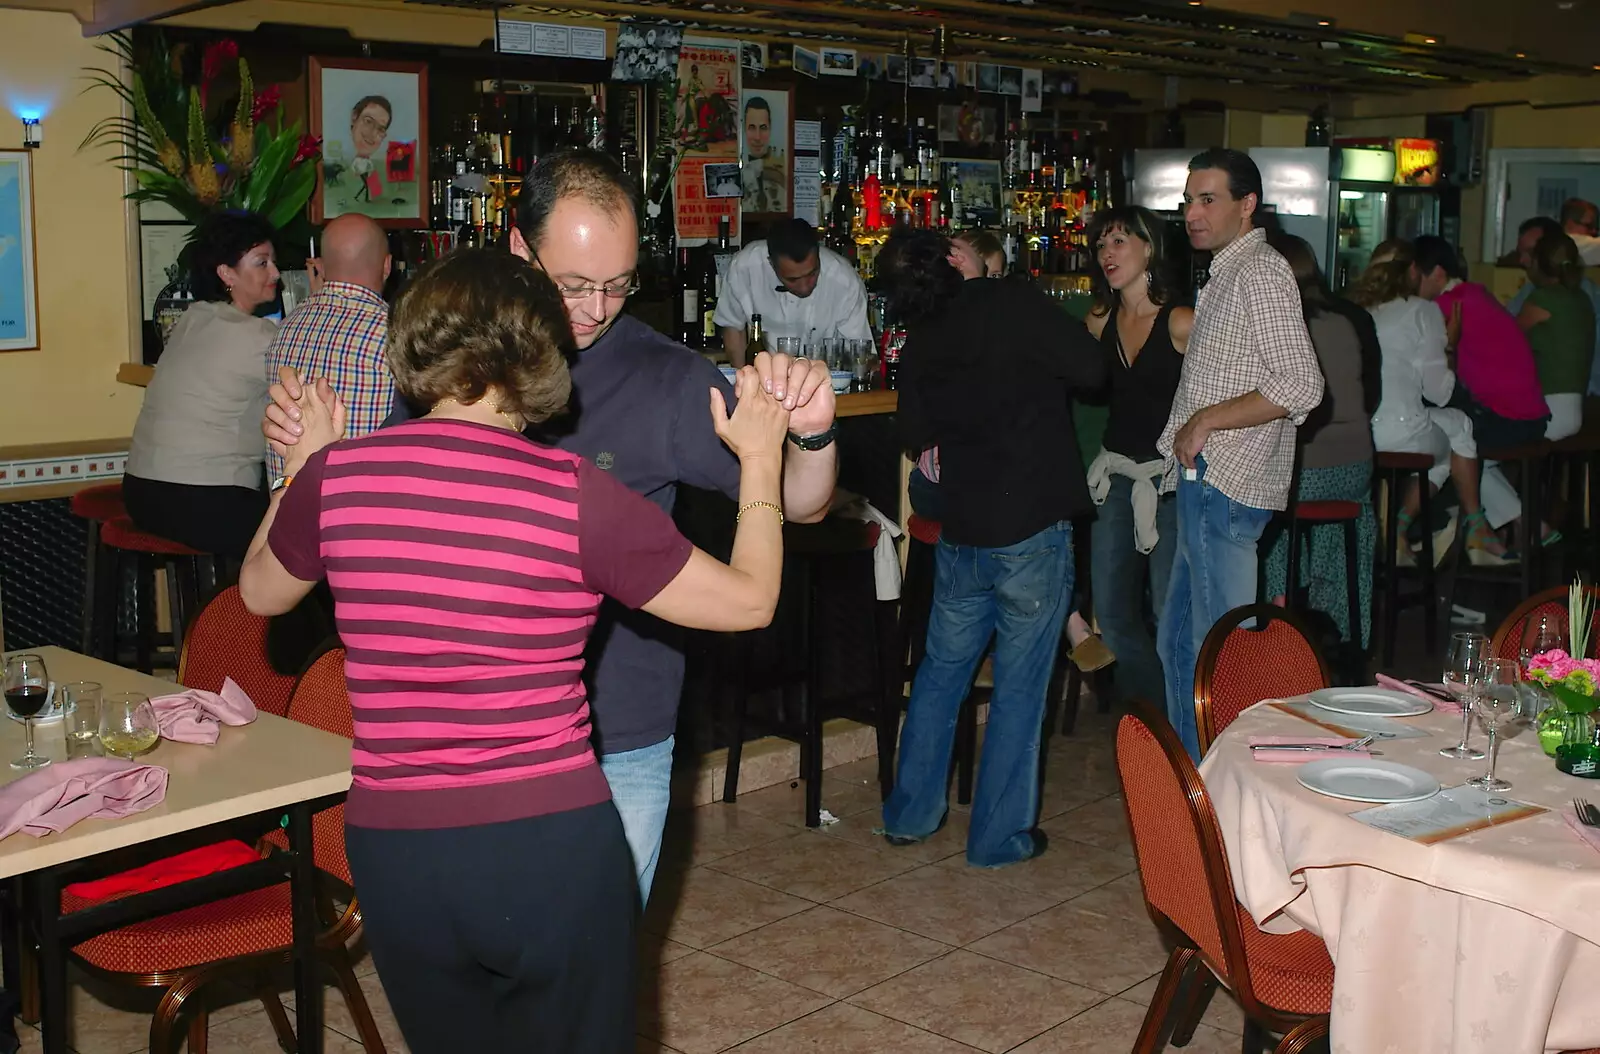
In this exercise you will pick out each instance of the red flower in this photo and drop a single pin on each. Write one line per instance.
(267, 101)
(216, 54)
(310, 148)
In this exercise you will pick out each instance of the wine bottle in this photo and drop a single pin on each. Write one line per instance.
(757, 341)
(690, 323)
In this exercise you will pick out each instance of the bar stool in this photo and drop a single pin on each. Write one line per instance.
(1392, 469)
(1347, 514)
(146, 552)
(1529, 457)
(916, 606)
(95, 505)
(1579, 455)
(836, 554)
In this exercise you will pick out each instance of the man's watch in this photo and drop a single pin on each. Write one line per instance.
(818, 440)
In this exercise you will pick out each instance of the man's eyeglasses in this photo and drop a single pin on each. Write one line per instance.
(616, 289)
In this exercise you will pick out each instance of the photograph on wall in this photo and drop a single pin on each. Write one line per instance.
(646, 51)
(838, 62)
(949, 123)
(895, 69)
(721, 179)
(988, 77)
(805, 61)
(869, 67)
(949, 75)
(708, 98)
(372, 117)
(1032, 90)
(19, 300)
(1011, 80)
(766, 157)
(979, 181)
(969, 74)
(924, 72)
(753, 56)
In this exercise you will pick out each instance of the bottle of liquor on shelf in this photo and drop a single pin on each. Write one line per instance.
(709, 279)
(594, 125)
(894, 338)
(757, 341)
(690, 322)
(725, 252)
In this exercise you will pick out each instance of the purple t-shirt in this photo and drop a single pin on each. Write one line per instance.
(641, 413)
(467, 566)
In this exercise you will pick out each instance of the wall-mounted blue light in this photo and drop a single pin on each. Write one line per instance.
(32, 133)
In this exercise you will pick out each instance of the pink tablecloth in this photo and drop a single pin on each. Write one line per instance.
(1488, 943)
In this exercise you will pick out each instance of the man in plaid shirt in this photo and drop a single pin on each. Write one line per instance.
(1249, 379)
(339, 332)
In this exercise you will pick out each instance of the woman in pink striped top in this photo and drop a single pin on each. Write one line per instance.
(467, 564)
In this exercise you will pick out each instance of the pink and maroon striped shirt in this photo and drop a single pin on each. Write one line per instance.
(467, 566)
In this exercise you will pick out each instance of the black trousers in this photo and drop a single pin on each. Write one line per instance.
(504, 937)
(219, 520)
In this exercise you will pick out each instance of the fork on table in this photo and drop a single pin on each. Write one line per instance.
(1587, 814)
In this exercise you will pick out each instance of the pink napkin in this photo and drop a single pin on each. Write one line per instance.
(1301, 755)
(1588, 834)
(1444, 706)
(54, 798)
(193, 716)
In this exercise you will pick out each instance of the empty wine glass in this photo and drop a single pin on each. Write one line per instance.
(1498, 700)
(1462, 665)
(1541, 633)
(27, 689)
(127, 724)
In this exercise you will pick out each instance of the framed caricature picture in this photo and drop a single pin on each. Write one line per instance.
(766, 156)
(373, 119)
(19, 299)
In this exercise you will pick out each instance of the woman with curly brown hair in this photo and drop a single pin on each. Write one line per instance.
(467, 564)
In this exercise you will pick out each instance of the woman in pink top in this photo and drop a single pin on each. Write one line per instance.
(467, 564)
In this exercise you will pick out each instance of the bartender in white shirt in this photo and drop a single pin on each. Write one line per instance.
(798, 287)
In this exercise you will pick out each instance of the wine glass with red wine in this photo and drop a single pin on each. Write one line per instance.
(27, 688)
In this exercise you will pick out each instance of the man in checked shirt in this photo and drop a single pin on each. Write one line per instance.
(1249, 379)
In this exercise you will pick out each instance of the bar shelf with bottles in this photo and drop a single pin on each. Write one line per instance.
(889, 175)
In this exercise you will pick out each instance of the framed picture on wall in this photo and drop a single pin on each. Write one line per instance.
(19, 293)
(373, 119)
(766, 153)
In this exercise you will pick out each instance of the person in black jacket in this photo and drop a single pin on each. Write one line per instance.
(987, 374)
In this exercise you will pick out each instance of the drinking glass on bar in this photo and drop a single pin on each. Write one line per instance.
(1462, 666)
(80, 705)
(27, 689)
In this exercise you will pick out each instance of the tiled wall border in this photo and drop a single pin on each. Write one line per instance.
(35, 472)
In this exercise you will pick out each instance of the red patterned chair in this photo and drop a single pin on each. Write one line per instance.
(250, 933)
(1507, 640)
(1239, 667)
(1283, 983)
(225, 640)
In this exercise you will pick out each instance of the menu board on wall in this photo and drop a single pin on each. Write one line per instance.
(808, 171)
(708, 184)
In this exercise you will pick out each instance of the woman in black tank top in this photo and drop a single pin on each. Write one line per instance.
(1143, 335)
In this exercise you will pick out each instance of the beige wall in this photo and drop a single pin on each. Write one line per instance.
(67, 390)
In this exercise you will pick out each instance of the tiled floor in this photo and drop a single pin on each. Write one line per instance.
(766, 938)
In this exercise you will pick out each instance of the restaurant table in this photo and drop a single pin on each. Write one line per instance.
(1488, 942)
(247, 781)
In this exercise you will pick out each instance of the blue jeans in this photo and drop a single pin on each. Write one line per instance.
(1019, 594)
(1117, 573)
(1213, 572)
(641, 788)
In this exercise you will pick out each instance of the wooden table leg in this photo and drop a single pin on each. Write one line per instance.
(302, 896)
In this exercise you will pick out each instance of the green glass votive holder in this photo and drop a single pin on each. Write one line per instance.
(1579, 759)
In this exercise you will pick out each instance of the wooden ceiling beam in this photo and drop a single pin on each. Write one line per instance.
(109, 15)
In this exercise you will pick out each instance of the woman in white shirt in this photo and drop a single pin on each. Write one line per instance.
(1417, 382)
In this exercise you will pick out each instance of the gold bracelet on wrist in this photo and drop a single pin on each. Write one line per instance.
(747, 506)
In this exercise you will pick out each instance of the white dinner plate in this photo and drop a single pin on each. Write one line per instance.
(1370, 702)
(1367, 779)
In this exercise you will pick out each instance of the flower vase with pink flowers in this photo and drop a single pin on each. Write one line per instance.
(1568, 727)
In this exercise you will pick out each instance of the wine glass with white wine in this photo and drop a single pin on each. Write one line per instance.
(128, 724)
